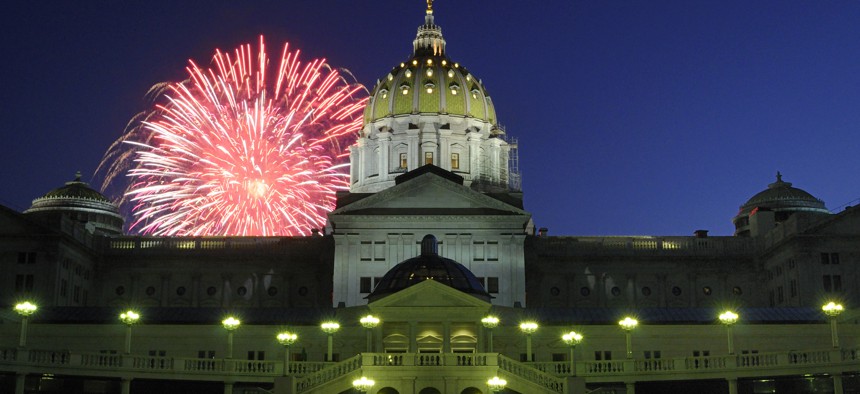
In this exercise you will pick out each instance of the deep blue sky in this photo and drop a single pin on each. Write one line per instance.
(633, 117)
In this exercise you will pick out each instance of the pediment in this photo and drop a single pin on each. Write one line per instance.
(426, 296)
(429, 193)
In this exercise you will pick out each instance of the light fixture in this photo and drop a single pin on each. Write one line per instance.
(231, 323)
(497, 384)
(129, 317)
(363, 384)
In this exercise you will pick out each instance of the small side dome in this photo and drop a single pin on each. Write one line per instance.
(781, 198)
(429, 265)
(76, 200)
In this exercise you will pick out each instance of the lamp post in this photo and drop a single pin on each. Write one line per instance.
(330, 327)
(832, 310)
(628, 324)
(25, 309)
(528, 327)
(363, 384)
(729, 318)
(490, 322)
(497, 384)
(230, 324)
(369, 322)
(287, 338)
(572, 339)
(129, 318)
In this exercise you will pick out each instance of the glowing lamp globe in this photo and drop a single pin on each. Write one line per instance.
(728, 318)
(287, 338)
(628, 323)
(572, 338)
(26, 308)
(528, 327)
(129, 317)
(490, 321)
(832, 309)
(363, 384)
(369, 321)
(231, 323)
(330, 327)
(497, 384)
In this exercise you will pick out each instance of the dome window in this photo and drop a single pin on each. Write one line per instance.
(404, 89)
(429, 72)
(390, 77)
(450, 73)
(444, 62)
(454, 89)
(456, 65)
(408, 73)
(414, 62)
(469, 77)
(429, 86)
(402, 65)
(383, 93)
(475, 93)
(429, 62)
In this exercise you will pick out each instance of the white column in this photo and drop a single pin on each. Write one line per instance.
(384, 139)
(413, 154)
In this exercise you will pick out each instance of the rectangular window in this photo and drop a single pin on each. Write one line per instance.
(477, 251)
(492, 285)
(64, 287)
(428, 157)
(258, 355)
(834, 258)
(828, 285)
(19, 283)
(455, 161)
(492, 251)
(825, 258)
(403, 163)
(793, 288)
(205, 354)
(602, 355)
(837, 282)
(31, 258)
(364, 284)
(28, 283)
(22, 258)
(77, 294)
(372, 251)
(557, 357)
(779, 295)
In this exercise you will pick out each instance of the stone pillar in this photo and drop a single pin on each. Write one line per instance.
(125, 385)
(20, 382)
(631, 387)
(446, 337)
(837, 384)
(285, 385)
(733, 385)
(413, 155)
(413, 337)
(228, 387)
(474, 154)
(384, 139)
(353, 169)
(445, 149)
(361, 172)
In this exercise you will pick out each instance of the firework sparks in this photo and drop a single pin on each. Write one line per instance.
(239, 149)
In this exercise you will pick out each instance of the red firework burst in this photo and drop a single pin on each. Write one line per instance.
(238, 149)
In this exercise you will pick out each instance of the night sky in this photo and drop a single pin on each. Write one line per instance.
(633, 117)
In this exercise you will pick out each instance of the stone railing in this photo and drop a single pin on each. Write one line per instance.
(681, 246)
(717, 364)
(531, 374)
(429, 359)
(328, 374)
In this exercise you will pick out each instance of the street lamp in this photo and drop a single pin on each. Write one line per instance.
(490, 322)
(628, 324)
(25, 309)
(528, 327)
(330, 327)
(497, 384)
(729, 318)
(129, 318)
(832, 310)
(369, 322)
(286, 338)
(572, 339)
(363, 384)
(230, 324)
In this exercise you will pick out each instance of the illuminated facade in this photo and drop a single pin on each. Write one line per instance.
(431, 239)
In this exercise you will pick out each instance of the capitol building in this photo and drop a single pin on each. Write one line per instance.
(430, 277)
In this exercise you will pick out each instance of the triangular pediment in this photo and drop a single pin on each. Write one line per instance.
(429, 193)
(427, 296)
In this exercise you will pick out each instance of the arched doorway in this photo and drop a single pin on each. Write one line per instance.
(471, 390)
(387, 390)
(429, 390)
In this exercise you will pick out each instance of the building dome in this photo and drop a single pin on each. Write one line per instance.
(79, 202)
(429, 266)
(430, 109)
(429, 82)
(781, 198)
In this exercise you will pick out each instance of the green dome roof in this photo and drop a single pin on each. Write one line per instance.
(429, 82)
(781, 194)
(75, 190)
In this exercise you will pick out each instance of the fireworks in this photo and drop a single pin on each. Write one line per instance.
(239, 149)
